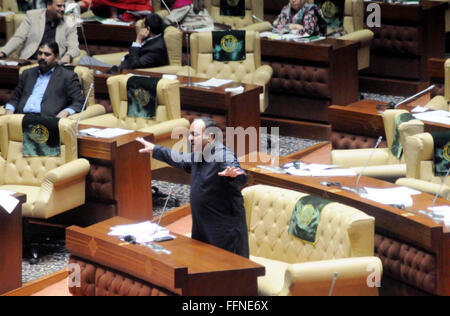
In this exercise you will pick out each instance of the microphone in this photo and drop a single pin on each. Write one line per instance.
(433, 215)
(333, 282)
(91, 87)
(357, 189)
(392, 105)
(170, 12)
(188, 47)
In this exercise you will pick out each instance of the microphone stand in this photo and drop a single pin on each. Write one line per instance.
(433, 215)
(91, 87)
(392, 105)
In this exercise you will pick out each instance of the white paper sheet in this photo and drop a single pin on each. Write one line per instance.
(440, 116)
(213, 82)
(237, 90)
(397, 195)
(105, 133)
(419, 109)
(143, 232)
(8, 202)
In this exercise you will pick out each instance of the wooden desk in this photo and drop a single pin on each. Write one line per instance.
(193, 268)
(237, 110)
(131, 174)
(436, 72)
(404, 225)
(11, 247)
(409, 35)
(363, 118)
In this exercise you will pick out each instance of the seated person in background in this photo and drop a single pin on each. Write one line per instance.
(300, 18)
(190, 14)
(149, 49)
(116, 7)
(49, 90)
(44, 25)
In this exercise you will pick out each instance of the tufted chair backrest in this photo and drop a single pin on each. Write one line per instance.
(447, 80)
(239, 71)
(9, 6)
(252, 7)
(19, 170)
(343, 231)
(12, 23)
(168, 100)
(419, 155)
(353, 16)
(406, 129)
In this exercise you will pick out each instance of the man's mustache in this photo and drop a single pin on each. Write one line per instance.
(42, 62)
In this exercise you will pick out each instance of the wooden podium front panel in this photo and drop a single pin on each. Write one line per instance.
(11, 247)
(193, 267)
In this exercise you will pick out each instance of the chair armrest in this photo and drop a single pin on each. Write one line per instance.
(348, 158)
(356, 276)
(68, 172)
(2, 110)
(386, 172)
(262, 75)
(76, 60)
(185, 70)
(425, 186)
(171, 70)
(362, 36)
(90, 111)
(105, 120)
(166, 127)
(112, 59)
(258, 27)
(162, 13)
(2, 168)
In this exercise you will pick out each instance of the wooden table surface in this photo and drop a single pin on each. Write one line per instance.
(193, 267)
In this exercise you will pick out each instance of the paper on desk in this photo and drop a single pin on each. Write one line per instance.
(213, 82)
(419, 109)
(105, 133)
(443, 210)
(321, 172)
(7, 201)
(114, 22)
(6, 13)
(8, 63)
(399, 195)
(440, 116)
(237, 90)
(143, 232)
(169, 76)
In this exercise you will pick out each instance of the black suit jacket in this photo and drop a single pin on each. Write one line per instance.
(152, 54)
(63, 91)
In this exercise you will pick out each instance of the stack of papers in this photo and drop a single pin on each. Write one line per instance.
(236, 90)
(397, 195)
(419, 109)
(8, 63)
(105, 133)
(213, 82)
(7, 201)
(318, 170)
(143, 232)
(115, 22)
(440, 116)
(443, 210)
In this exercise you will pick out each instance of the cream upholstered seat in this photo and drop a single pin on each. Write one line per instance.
(248, 71)
(53, 185)
(440, 102)
(419, 153)
(354, 30)
(86, 77)
(9, 6)
(344, 244)
(168, 113)
(383, 164)
(173, 39)
(247, 22)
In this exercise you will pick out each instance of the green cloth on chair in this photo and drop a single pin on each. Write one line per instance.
(40, 136)
(142, 96)
(306, 217)
(441, 152)
(228, 45)
(396, 147)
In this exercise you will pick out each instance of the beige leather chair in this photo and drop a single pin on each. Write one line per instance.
(248, 71)
(53, 185)
(174, 42)
(440, 102)
(354, 30)
(247, 22)
(168, 113)
(344, 244)
(419, 153)
(86, 77)
(383, 164)
(159, 8)
(9, 6)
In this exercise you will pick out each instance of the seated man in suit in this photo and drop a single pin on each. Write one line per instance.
(48, 90)
(44, 25)
(149, 49)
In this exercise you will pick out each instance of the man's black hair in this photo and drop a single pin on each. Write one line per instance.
(52, 45)
(209, 122)
(155, 22)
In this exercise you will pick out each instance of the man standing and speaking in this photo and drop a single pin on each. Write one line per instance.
(217, 205)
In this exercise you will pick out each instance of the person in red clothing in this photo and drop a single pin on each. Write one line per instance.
(116, 6)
